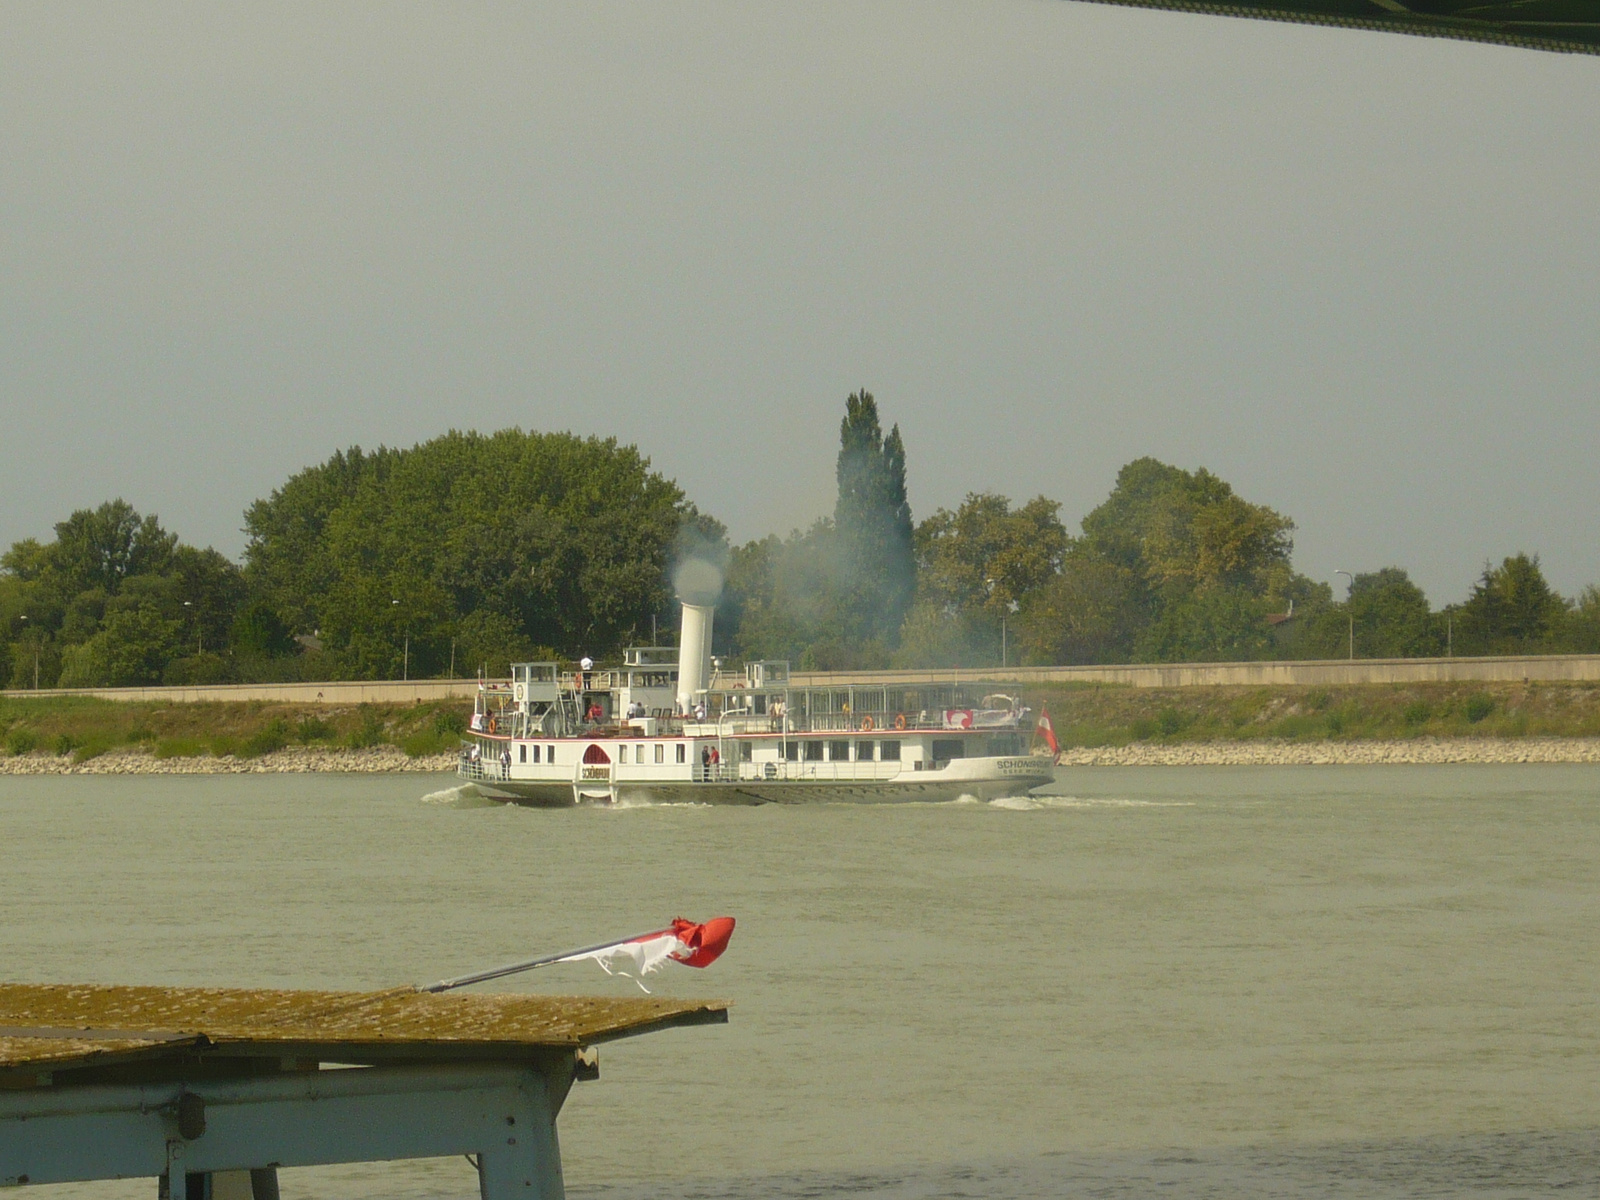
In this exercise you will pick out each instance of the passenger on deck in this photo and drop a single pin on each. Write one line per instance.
(594, 713)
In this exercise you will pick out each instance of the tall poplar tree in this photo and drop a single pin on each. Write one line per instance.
(873, 522)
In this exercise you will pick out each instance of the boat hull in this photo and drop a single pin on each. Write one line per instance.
(981, 779)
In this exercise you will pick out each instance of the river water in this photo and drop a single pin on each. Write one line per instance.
(1324, 981)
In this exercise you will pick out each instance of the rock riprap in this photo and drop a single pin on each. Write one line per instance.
(129, 761)
(1353, 753)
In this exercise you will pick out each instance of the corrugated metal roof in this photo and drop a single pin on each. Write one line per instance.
(1569, 26)
(47, 1027)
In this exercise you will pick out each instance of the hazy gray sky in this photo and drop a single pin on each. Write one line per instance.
(1354, 274)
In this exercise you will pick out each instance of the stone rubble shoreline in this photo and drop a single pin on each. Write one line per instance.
(297, 760)
(388, 759)
(1420, 751)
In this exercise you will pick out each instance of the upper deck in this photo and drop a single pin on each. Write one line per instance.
(640, 696)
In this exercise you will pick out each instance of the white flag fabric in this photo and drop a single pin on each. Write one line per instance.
(686, 942)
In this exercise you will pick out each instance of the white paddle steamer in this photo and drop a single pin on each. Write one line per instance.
(669, 727)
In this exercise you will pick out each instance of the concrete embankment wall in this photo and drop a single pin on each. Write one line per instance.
(1332, 673)
(390, 692)
(1567, 667)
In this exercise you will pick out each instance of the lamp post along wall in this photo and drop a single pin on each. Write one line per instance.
(1349, 611)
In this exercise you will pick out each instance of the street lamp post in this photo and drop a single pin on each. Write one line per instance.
(200, 631)
(1011, 607)
(35, 658)
(1350, 612)
(405, 669)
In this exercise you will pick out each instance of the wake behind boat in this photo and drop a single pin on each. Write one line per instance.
(670, 726)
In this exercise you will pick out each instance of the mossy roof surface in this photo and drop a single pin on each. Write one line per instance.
(52, 1026)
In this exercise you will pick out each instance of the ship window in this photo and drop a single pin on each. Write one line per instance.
(522, 754)
(747, 751)
(889, 751)
(549, 754)
(760, 705)
(813, 751)
(791, 751)
(1005, 743)
(638, 752)
(622, 754)
(863, 751)
(661, 752)
(683, 752)
(839, 751)
(944, 749)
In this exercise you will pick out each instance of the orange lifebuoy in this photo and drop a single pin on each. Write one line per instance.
(494, 725)
(866, 724)
(900, 721)
(577, 680)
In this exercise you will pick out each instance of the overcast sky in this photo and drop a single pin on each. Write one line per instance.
(1354, 274)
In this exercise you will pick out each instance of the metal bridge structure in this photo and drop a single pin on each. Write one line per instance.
(1565, 26)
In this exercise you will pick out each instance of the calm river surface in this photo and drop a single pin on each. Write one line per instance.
(1312, 981)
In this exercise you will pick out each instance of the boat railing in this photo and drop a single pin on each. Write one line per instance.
(483, 766)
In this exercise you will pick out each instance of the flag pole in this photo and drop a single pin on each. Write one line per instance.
(528, 964)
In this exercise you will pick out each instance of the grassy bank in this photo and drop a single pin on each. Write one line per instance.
(86, 727)
(1083, 714)
(1110, 715)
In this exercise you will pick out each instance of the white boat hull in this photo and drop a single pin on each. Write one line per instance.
(980, 778)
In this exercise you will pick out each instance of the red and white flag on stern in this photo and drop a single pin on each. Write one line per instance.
(693, 945)
(1047, 731)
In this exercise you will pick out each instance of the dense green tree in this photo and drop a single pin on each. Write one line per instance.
(986, 555)
(872, 524)
(974, 567)
(1582, 634)
(1090, 612)
(209, 589)
(1392, 617)
(133, 646)
(1180, 530)
(1218, 623)
(109, 574)
(1172, 565)
(1512, 610)
(833, 596)
(260, 632)
(567, 539)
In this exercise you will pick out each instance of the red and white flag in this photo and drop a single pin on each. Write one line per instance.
(693, 945)
(1047, 731)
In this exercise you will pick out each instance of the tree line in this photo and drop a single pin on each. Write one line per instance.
(471, 551)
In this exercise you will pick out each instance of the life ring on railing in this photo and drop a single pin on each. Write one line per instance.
(866, 723)
(577, 680)
(494, 726)
(900, 721)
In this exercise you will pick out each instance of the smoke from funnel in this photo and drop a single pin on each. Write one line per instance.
(698, 582)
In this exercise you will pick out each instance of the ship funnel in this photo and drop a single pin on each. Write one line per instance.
(694, 653)
(699, 585)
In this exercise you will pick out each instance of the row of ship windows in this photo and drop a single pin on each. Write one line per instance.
(795, 751)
